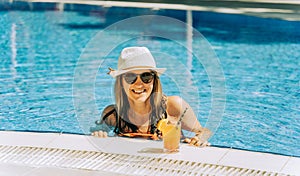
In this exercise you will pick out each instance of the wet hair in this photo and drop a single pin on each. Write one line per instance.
(157, 101)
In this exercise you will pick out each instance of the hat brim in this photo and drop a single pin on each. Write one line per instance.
(116, 73)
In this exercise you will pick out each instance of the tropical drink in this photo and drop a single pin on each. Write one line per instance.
(171, 135)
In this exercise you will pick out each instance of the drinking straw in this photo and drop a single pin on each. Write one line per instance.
(181, 117)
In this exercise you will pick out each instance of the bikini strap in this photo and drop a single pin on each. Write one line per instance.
(109, 113)
(98, 122)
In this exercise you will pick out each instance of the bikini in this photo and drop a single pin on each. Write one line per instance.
(122, 124)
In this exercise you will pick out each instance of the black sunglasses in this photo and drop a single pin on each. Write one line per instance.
(146, 77)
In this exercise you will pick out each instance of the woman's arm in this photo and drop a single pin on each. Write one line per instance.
(175, 108)
(106, 121)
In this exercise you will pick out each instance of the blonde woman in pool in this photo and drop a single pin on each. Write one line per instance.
(140, 102)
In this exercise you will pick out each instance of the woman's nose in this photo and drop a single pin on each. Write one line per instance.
(138, 81)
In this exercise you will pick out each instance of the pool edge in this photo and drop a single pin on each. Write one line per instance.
(209, 155)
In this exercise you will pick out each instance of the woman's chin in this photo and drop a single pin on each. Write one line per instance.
(140, 97)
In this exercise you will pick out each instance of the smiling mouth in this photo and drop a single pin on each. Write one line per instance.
(138, 91)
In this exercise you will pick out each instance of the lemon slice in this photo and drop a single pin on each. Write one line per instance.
(162, 124)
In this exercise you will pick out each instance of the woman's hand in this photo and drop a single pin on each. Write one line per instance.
(200, 139)
(100, 134)
(195, 141)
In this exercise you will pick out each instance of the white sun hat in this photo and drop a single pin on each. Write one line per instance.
(135, 58)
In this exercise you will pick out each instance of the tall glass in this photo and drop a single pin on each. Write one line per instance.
(171, 137)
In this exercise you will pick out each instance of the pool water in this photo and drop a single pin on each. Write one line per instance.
(260, 59)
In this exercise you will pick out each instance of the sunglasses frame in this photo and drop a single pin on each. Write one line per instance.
(139, 75)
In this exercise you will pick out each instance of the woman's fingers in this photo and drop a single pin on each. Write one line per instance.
(105, 134)
(101, 134)
(205, 144)
(187, 140)
(196, 142)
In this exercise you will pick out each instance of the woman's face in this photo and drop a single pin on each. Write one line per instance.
(138, 85)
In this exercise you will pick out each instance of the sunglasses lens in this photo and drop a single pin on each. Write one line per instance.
(130, 78)
(147, 77)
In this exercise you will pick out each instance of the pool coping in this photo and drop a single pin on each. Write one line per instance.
(211, 155)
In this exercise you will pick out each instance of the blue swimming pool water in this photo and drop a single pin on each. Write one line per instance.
(260, 59)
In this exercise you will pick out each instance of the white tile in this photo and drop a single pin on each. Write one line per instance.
(26, 138)
(51, 171)
(7, 169)
(124, 145)
(72, 142)
(254, 160)
(292, 167)
(211, 155)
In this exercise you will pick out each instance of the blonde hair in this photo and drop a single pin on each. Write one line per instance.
(122, 105)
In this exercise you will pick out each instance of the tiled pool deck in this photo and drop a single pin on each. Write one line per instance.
(14, 163)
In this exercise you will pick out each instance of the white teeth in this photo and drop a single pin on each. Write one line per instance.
(138, 91)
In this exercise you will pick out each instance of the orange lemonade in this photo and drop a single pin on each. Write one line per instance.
(171, 135)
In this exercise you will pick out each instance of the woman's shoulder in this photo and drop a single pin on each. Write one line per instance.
(174, 101)
(109, 114)
(174, 105)
(109, 108)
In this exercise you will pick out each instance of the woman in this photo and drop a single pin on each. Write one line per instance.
(140, 103)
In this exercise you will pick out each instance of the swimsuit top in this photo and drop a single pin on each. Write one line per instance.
(123, 126)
